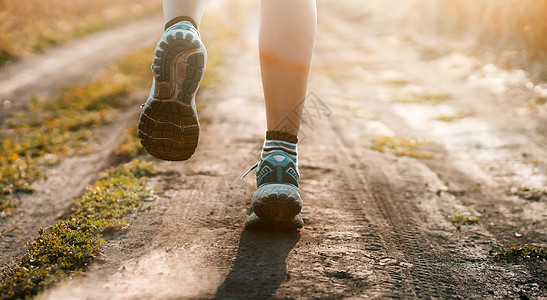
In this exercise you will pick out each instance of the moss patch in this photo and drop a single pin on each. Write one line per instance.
(68, 246)
(399, 146)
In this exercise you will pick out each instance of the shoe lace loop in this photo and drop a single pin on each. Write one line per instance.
(250, 169)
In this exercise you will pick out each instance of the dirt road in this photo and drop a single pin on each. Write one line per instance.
(375, 223)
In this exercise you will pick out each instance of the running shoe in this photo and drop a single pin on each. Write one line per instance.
(276, 204)
(168, 124)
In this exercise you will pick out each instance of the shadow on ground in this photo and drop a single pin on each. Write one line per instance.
(260, 266)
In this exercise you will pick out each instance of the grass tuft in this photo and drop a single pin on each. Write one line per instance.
(399, 146)
(527, 252)
(452, 118)
(527, 193)
(68, 247)
(459, 219)
(421, 98)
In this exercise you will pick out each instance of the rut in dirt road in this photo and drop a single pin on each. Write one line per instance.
(375, 223)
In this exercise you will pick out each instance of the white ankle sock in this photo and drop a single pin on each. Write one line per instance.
(271, 146)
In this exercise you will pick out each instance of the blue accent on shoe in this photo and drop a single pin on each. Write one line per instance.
(276, 204)
(277, 167)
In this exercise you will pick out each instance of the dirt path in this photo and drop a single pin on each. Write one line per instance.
(375, 223)
(79, 60)
(76, 61)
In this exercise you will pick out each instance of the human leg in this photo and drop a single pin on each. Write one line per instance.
(286, 39)
(173, 9)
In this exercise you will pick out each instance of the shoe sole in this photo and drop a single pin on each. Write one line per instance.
(168, 125)
(276, 202)
(253, 222)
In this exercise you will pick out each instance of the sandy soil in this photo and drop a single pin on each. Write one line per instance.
(375, 223)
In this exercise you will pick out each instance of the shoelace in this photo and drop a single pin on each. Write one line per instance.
(250, 169)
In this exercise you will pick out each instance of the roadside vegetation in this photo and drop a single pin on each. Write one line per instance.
(527, 193)
(459, 219)
(399, 146)
(66, 248)
(452, 118)
(526, 252)
(422, 98)
(49, 129)
(35, 25)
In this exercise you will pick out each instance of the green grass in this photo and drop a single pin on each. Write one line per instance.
(52, 128)
(421, 98)
(67, 248)
(399, 146)
(459, 219)
(526, 252)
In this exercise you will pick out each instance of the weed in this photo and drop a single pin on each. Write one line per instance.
(527, 252)
(527, 193)
(67, 247)
(459, 219)
(451, 118)
(399, 146)
(423, 98)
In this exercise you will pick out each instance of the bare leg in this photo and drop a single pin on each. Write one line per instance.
(188, 8)
(286, 39)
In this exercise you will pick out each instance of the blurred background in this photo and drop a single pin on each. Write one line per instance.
(509, 33)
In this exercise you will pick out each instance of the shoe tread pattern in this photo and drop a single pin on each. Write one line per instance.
(169, 127)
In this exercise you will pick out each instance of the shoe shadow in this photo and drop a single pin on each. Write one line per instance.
(260, 266)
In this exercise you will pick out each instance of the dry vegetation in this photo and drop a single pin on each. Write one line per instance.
(46, 23)
(514, 31)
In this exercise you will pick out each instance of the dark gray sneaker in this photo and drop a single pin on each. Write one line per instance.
(276, 204)
(168, 124)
